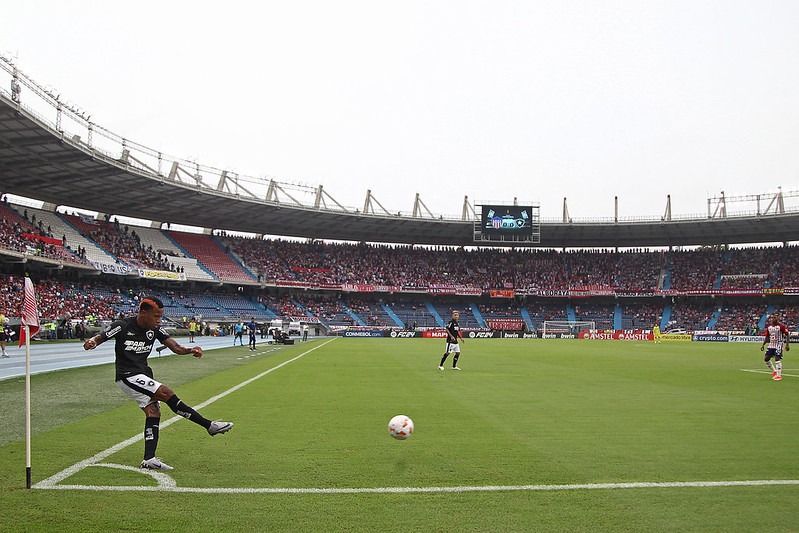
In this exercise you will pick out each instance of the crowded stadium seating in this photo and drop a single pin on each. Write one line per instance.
(405, 287)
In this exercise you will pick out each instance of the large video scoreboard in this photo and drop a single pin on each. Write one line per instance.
(508, 223)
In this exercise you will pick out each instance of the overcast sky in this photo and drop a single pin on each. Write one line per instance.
(492, 99)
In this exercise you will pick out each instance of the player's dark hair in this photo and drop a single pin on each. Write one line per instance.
(150, 302)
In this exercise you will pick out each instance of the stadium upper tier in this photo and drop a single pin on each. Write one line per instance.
(67, 160)
(105, 245)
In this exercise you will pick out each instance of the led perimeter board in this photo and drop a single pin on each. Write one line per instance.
(519, 224)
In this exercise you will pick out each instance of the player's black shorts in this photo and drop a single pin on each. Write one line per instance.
(776, 353)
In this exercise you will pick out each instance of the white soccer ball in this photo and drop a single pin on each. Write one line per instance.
(400, 427)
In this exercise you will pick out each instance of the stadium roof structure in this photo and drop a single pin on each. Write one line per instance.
(71, 161)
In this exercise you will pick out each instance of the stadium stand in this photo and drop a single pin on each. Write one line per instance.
(24, 233)
(406, 286)
(210, 254)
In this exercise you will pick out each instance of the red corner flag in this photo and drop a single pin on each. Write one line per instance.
(30, 315)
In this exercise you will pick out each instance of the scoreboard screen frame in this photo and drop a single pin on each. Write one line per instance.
(509, 223)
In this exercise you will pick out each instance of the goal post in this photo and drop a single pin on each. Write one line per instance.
(567, 326)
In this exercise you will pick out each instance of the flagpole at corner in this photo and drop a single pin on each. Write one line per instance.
(30, 325)
(27, 407)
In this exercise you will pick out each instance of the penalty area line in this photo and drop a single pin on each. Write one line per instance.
(418, 490)
(51, 481)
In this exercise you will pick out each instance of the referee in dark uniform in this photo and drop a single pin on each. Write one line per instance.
(134, 337)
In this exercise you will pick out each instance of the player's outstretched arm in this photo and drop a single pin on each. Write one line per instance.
(173, 345)
(93, 342)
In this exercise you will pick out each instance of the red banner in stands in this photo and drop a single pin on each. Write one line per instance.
(505, 324)
(502, 293)
(48, 240)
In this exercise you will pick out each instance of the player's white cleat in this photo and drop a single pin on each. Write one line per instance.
(455, 368)
(154, 463)
(441, 368)
(219, 427)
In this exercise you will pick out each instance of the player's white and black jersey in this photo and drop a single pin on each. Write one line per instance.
(133, 346)
(454, 331)
(777, 336)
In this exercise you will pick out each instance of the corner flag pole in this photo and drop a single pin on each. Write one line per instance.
(30, 325)
(27, 407)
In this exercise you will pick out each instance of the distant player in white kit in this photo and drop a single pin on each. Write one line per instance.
(777, 337)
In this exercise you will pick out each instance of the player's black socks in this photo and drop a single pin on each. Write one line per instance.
(185, 411)
(454, 360)
(150, 436)
(443, 359)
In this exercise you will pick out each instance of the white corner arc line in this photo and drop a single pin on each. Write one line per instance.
(420, 490)
(165, 481)
(67, 472)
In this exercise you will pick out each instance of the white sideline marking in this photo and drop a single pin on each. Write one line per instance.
(74, 469)
(758, 371)
(416, 490)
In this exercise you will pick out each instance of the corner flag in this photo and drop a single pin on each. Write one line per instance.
(30, 325)
(30, 315)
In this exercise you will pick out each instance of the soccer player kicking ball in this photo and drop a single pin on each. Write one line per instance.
(776, 336)
(134, 337)
(453, 334)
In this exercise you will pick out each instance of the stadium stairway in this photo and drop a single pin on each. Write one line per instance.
(298, 305)
(617, 315)
(667, 279)
(268, 312)
(761, 324)
(571, 316)
(350, 313)
(432, 310)
(390, 312)
(478, 316)
(664, 321)
(715, 318)
(528, 319)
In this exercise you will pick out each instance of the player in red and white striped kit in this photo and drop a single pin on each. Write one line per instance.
(776, 337)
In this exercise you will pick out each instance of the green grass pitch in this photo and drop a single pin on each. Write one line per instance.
(532, 435)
